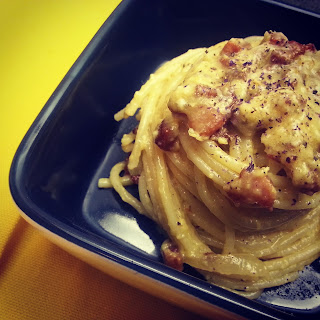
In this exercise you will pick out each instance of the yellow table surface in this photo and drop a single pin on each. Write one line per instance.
(40, 40)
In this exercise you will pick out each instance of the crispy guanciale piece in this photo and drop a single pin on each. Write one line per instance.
(253, 187)
(167, 136)
(171, 255)
(228, 52)
(205, 120)
(286, 51)
(231, 48)
(207, 108)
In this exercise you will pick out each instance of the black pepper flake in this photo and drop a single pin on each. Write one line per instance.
(289, 84)
(297, 128)
(248, 63)
(288, 160)
(206, 51)
(314, 91)
(178, 223)
(294, 201)
(308, 116)
(316, 102)
(250, 168)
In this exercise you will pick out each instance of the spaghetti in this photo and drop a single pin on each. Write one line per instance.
(226, 159)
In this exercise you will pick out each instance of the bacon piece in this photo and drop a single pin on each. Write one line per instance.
(227, 52)
(252, 187)
(205, 120)
(167, 137)
(204, 109)
(209, 116)
(171, 255)
(230, 48)
(287, 50)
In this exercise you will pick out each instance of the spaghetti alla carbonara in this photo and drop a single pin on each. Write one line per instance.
(226, 158)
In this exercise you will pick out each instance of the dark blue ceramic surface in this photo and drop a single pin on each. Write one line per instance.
(74, 141)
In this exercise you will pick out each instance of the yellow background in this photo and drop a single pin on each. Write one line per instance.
(40, 40)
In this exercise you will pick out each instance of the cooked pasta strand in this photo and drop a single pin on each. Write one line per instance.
(226, 159)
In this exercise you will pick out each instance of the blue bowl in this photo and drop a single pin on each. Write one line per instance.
(74, 141)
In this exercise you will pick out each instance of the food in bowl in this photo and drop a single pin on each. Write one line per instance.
(226, 159)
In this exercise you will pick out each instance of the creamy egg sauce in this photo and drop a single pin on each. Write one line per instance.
(264, 87)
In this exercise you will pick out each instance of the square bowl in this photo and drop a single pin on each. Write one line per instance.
(75, 141)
